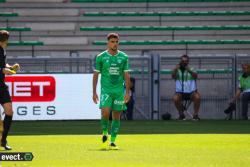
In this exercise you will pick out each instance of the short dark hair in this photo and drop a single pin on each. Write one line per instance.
(4, 35)
(185, 56)
(112, 35)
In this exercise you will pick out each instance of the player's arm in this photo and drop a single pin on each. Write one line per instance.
(7, 66)
(7, 70)
(4, 67)
(127, 79)
(95, 80)
(127, 85)
(98, 67)
(15, 67)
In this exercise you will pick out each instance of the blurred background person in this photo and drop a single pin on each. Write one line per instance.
(243, 90)
(130, 104)
(185, 87)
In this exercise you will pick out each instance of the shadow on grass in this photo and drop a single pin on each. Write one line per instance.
(131, 127)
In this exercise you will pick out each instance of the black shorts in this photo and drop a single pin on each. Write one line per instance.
(4, 94)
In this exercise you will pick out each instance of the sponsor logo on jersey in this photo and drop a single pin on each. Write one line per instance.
(118, 102)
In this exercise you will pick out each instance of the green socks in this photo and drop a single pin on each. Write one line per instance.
(114, 129)
(115, 126)
(104, 123)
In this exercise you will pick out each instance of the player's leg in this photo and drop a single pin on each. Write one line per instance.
(105, 120)
(6, 103)
(105, 125)
(6, 124)
(196, 98)
(115, 126)
(117, 108)
(1, 126)
(177, 99)
(105, 105)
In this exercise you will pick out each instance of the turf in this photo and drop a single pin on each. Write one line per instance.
(132, 127)
(142, 143)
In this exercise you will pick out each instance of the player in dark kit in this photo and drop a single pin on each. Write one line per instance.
(5, 98)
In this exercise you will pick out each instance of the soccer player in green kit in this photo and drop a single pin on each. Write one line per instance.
(113, 66)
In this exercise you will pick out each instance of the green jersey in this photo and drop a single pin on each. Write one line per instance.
(184, 82)
(112, 68)
(244, 83)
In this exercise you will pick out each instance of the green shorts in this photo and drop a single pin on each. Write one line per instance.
(114, 101)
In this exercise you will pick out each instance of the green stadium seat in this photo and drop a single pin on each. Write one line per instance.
(19, 29)
(164, 28)
(8, 14)
(81, 1)
(200, 13)
(192, 0)
(15, 28)
(101, 1)
(137, 1)
(214, 71)
(25, 43)
(151, 1)
(178, 42)
(238, 13)
(243, 41)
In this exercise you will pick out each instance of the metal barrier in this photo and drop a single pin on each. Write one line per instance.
(54, 65)
(141, 71)
(239, 60)
(217, 81)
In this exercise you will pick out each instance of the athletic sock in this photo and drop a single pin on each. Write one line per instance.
(114, 130)
(104, 123)
(6, 127)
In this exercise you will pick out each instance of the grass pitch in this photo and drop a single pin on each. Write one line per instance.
(142, 143)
